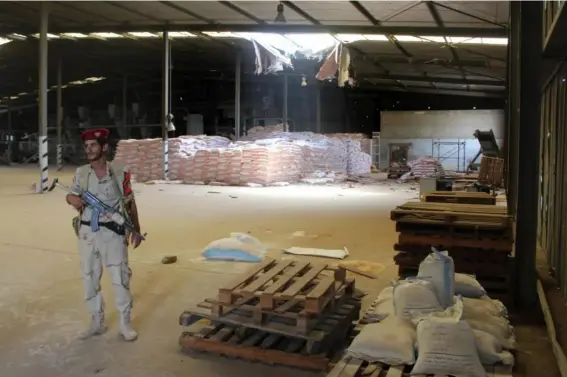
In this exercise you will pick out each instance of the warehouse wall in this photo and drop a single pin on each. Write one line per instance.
(422, 129)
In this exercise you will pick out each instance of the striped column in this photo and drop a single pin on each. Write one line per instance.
(59, 157)
(43, 163)
(165, 158)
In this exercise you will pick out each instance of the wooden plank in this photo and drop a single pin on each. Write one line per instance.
(456, 207)
(351, 368)
(224, 334)
(270, 340)
(286, 277)
(273, 327)
(447, 241)
(377, 371)
(254, 339)
(395, 371)
(316, 298)
(225, 294)
(265, 278)
(300, 283)
(312, 362)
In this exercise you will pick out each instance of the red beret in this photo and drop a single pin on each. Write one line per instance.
(95, 134)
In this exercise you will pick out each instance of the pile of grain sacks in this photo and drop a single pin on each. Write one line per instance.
(441, 322)
(260, 158)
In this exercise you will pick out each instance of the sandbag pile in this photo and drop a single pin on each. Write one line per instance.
(442, 322)
(260, 158)
(145, 157)
(425, 167)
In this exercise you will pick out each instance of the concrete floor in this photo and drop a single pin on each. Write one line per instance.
(41, 306)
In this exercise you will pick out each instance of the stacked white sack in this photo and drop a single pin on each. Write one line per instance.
(426, 167)
(358, 162)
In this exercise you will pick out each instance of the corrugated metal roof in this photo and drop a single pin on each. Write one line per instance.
(413, 42)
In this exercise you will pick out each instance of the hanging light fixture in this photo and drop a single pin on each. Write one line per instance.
(280, 18)
(303, 81)
(170, 125)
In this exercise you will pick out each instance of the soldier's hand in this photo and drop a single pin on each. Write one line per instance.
(75, 201)
(135, 241)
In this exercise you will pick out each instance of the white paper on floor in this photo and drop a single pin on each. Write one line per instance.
(336, 254)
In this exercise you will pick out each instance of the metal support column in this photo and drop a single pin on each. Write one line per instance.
(59, 116)
(11, 138)
(237, 89)
(286, 127)
(165, 104)
(125, 131)
(318, 110)
(529, 148)
(42, 135)
(513, 141)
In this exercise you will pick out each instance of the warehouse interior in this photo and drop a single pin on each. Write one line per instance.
(410, 81)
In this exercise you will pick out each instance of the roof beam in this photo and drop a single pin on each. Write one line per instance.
(366, 13)
(441, 80)
(418, 89)
(187, 12)
(242, 12)
(437, 18)
(468, 14)
(269, 28)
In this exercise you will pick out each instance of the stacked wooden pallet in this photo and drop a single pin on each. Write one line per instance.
(491, 171)
(478, 237)
(281, 312)
(463, 197)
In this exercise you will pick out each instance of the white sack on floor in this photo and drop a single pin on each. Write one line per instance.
(439, 269)
(490, 350)
(239, 247)
(496, 326)
(336, 254)
(413, 298)
(383, 306)
(390, 341)
(468, 286)
(473, 307)
(447, 345)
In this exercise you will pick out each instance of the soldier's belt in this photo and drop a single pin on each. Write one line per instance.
(110, 226)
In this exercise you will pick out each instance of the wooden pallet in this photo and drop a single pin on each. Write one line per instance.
(287, 282)
(462, 197)
(447, 241)
(463, 253)
(452, 230)
(453, 215)
(290, 316)
(352, 367)
(478, 266)
(273, 348)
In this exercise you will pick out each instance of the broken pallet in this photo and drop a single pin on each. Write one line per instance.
(287, 282)
(352, 367)
(273, 348)
(461, 197)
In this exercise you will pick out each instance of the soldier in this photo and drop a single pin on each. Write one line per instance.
(107, 245)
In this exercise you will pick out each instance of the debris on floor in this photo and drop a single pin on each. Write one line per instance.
(355, 270)
(364, 268)
(239, 247)
(335, 254)
(169, 259)
(162, 182)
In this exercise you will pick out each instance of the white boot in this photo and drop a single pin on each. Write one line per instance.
(97, 327)
(126, 327)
